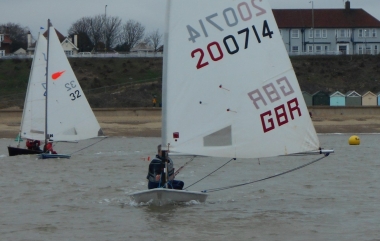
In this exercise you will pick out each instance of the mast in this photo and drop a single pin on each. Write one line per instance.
(164, 109)
(47, 78)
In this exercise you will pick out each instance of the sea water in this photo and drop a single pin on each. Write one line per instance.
(86, 197)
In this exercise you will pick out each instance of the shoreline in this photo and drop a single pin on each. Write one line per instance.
(146, 122)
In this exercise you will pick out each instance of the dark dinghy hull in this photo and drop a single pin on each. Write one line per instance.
(15, 151)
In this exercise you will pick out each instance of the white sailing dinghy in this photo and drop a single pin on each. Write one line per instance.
(229, 88)
(33, 115)
(68, 117)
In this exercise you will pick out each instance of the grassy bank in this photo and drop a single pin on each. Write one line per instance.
(132, 82)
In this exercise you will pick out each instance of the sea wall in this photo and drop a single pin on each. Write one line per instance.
(344, 111)
(317, 111)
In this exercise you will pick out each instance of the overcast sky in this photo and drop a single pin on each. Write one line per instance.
(151, 13)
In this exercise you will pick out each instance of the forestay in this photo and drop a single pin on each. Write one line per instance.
(69, 115)
(33, 117)
(229, 86)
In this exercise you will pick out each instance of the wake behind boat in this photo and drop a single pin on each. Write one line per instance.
(229, 89)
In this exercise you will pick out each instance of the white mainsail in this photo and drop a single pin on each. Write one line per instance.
(33, 117)
(69, 116)
(229, 87)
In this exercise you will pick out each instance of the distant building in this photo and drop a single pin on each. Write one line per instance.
(20, 51)
(142, 47)
(69, 44)
(328, 31)
(353, 98)
(5, 44)
(369, 99)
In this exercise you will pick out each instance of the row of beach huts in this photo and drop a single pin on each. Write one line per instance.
(351, 98)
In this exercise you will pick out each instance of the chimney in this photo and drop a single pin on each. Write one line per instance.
(348, 6)
(76, 40)
(29, 39)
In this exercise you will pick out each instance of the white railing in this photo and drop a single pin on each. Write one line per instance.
(316, 53)
(95, 55)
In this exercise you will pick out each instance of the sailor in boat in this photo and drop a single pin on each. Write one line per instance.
(48, 148)
(33, 145)
(157, 171)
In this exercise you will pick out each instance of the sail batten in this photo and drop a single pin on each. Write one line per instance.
(229, 87)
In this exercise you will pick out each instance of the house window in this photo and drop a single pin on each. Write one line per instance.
(324, 33)
(295, 33)
(311, 33)
(318, 48)
(368, 49)
(317, 33)
(2, 53)
(376, 49)
(1, 37)
(68, 52)
(342, 33)
(295, 49)
(310, 48)
(374, 33)
(326, 49)
(366, 33)
(360, 49)
(361, 33)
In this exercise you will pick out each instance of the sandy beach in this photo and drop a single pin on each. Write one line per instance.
(146, 122)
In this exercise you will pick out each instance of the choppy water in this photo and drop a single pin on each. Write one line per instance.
(86, 197)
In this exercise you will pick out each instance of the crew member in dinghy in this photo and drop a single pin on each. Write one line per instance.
(33, 145)
(48, 148)
(157, 170)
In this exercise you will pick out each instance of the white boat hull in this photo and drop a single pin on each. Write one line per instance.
(161, 196)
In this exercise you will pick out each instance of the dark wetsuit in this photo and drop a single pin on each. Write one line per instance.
(157, 167)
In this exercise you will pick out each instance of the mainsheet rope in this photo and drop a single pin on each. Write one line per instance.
(89, 145)
(242, 184)
(210, 173)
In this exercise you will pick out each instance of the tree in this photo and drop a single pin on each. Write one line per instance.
(154, 39)
(132, 32)
(95, 31)
(17, 33)
(111, 31)
(81, 29)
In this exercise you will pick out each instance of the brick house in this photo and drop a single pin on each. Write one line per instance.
(5, 44)
(69, 44)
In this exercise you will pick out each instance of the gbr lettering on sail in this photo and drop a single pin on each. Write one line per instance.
(271, 93)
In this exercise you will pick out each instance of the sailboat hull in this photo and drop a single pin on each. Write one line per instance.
(15, 151)
(53, 156)
(162, 196)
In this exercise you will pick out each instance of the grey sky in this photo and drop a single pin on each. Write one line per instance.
(151, 13)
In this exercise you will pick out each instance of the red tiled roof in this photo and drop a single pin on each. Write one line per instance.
(60, 36)
(7, 39)
(325, 18)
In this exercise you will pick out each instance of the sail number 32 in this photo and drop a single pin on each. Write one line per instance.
(70, 86)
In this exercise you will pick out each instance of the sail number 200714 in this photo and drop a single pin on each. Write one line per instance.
(230, 42)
